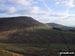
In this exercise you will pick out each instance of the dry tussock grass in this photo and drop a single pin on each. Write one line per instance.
(8, 53)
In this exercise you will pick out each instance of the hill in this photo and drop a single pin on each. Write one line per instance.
(20, 22)
(24, 35)
(28, 30)
(59, 26)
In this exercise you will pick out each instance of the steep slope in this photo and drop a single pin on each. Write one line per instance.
(20, 22)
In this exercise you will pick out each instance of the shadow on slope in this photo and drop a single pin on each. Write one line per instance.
(42, 36)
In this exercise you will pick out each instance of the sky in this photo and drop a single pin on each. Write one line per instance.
(45, 11)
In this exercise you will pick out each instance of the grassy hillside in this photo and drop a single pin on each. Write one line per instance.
(36, 49)
(29, 49)
(32, 33)
(12, 23)
(41, 34)
(26, 36)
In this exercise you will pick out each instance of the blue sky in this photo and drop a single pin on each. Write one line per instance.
(45, 11)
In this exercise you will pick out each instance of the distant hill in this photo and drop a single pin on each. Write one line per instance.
(59, 26)
(11, 23)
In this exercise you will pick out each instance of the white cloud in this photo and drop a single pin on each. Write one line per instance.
(55, 14)
(62, 15)
(38, 11)
(22, 2)
(67, 3)
(35, 10)
(6, 3)
(32, 10)
(11, 10)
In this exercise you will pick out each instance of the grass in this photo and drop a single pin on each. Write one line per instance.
(8, 53)
(42, 41)
(36, 49)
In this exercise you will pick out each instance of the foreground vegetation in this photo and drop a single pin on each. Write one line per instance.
(36, 49)
(8, 53)
(38, 41)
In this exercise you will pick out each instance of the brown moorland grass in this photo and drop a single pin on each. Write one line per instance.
(8, 53)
